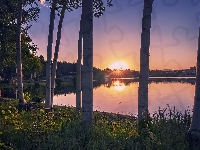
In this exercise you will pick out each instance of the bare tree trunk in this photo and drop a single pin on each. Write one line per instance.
(144, 61)
(78, 74)
(193, 134)
(18, 51)
(49, 57)
(56, 53)
(87, 72)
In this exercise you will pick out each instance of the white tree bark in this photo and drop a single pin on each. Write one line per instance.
(144, 61)
(49, 57)
(78, 74)
(195, 125)
(18, 51)
(87, 71)
(56, 53)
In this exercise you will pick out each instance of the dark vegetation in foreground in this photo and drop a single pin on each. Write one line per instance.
(61, 129)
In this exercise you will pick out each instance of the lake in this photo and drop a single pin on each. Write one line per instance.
(121, 95)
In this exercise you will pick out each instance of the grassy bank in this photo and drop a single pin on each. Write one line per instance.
(62, 129)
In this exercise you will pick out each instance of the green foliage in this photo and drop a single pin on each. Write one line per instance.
(98, 7)
(62, 129)
(8, 16)
(31, 65)
(9, 11)
(58, 82)
(35, 95)
(74, 80)
(27, 96)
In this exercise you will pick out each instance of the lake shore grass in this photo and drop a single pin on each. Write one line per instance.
(62, 129)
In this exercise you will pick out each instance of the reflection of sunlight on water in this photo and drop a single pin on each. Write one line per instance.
(118, 86)
(120, 97)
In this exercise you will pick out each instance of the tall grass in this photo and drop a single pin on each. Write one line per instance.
(62, 129)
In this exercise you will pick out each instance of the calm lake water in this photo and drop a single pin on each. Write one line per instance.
(121, 95)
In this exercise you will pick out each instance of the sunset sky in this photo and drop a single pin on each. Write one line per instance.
(117, 34)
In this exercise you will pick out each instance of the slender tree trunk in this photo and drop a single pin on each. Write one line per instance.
(144, 61)
(87, 72)
(56, 53)
(18, 51)
(49, 57)
(78, 74)
(194, 132)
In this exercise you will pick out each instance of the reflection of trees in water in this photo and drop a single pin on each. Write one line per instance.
(166, 81)
(127, 82)
(69, 89)
(40, 91)
(98, 84)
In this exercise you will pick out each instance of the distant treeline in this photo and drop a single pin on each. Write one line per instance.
(66, 68)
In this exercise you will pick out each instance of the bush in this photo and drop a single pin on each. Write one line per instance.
(58, 82)
(74, 80)
(37, 84)
(62, 129)
(6, 82)
(37, 99)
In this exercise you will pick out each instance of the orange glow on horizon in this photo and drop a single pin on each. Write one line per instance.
(119, 65)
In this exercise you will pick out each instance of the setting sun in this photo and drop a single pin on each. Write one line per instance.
(119, 65)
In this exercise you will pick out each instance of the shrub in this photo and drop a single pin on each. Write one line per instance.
(58, 82)
(37, 84)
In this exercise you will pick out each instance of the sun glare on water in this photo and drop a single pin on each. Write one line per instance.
(119, 65)
(118, 86)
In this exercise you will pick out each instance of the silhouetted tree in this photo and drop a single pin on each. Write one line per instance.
(48, 104)
(87, 77)
(193, 135)
(144, 60)
(56, 52)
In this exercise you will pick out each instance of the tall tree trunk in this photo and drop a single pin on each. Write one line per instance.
(56, 53)
(18, 51)
(194, 132)
(87, 75)
(49, 57)
(78, 74)
(144, 61)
